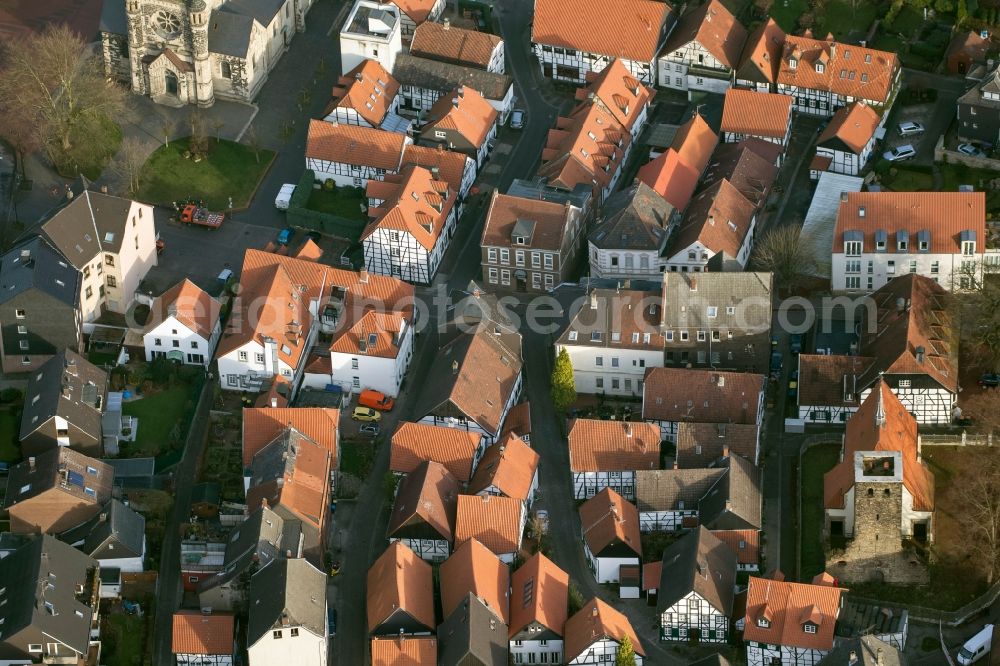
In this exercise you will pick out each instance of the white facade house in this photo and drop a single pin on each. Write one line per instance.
(351, 155)
(372, 31)
(703, 50)
(423, 81)
(882, 235)
(848, 142)
(184, 326)
(112, 242)
(611, 538)
(594, 633)
(627, 243)
(720, 220)
(367, 96)
(417, 12)
(460, 46)
(288, 615)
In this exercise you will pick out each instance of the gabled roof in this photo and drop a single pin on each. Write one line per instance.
(429, 74)
(462, 110)
(619, 91)
(417, 10)
(850, 129)
(293, 472)
(195, 632)
(539, 594)
(35, 264)
(698, 562)
(701, 396)
(632, 30)
(636, 218)
(509, 466)
(286, 593)
(472, 568)
(190, 305)
(610, 320)
(368, 89)
(68, 386)
(116, 532)
(924, 324)
(91, 223)
(602, 446)
(62, 470)
(881, 424)
(863, 651)
(400, 580)
(404, 650)
(608, 518)
(735, 501)
(262, 424)
(472, 634)
(413, 443)
(588, 146)
(413, 202)
(843, 69)
(353, 144)
(673, 489)
(756, 113)
(263, 537)
(518, 421)
(745, 544)
(702, 444)
(786, 606)
(687, 297)
(694, 142)
(596, 621)
(374, 333)
(671, 177)
(548, 223)
(427, 495)
(719, 218)
(715, 28)
(229, 33)
(761, 56)
(447, 165)
(746, 169)
(475, 374)
(442, 41)
(493, 521)
(824, 377)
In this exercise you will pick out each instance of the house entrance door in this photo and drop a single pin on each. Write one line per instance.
(170, 81)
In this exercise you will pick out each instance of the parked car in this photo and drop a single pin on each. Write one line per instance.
(989, 380)
(517, 119)
(795, 342)
(543, 520)
(331, 620)
(365, 414)
(976, 647)
(284, 198)
(969, 149)
(776, 362)
(370, 429)
(376, 400)
(900, 153)
(910, 128)
(286, 235)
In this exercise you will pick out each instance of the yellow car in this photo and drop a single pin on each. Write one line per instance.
(365, 414)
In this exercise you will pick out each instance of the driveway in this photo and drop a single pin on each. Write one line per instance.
(936, 117)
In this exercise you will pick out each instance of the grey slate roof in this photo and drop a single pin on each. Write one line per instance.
(867, 650)
(475, 306)
(699, 563)
(46, 571)
(262, 538)
(734, 503)
(118, 525)
(538, 188)
(69, 386)
(89, 224)
(472, 634)
(636, 218)
(445, 77)
(665, 489)
(229, 33)
(113, 19)
(750, 293)
(287, 593)
(63, 469)
(262, 10)
(35, 264)
(132, 468)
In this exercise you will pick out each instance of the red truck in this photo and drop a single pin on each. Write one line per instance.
(192, 214)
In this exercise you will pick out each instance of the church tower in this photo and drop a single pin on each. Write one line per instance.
(136, 45)
(204, 88)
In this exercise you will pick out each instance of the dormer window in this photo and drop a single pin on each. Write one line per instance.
(868, 58)
(809, 628)
(520, 240)
(763, 623)
(852, 243)
(819, 68)
(793, 63)
(881, 239)
(902, 241)
(924, 241)
(968, 239)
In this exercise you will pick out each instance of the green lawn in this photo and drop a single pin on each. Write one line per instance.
(10, 426)
(908, 180)
(787, 12)
(953, 175)
(341, 201)
(844, 22)
(357, 457)
(159, 413)
(94, 143)
(230, 170)
(122, 639)
(816, 462)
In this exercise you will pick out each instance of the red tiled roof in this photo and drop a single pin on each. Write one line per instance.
(602, 446)
(715, 28)
(822, 377)
(304, 487)
(309, 251)
(820, 163)
(651, 573)
(473, 568)
(608, 518)
(785, 606)
(427, 495)
(851, 127)
(719, 218)
(881, 424)
(195, 632)
(190, 305)
(262, 424)
(450, 164)
(756, 113)
(368, 89)
(518, 421)
(701, 396)
(399, 579)
(448, 43)
(413, 443)
(628, 29)
(353, 144)
(509, 466)
(745, 544)
(695, 142)
(404, 651)
(620, 92)
(594, 622)
(671, 178)
(417, 10)
(493, 521)
(373, 334)
(761, 56)
(539, 593)
(413, 202)
(586, 147)
(846, 70)
(465, 111)
(550, 221)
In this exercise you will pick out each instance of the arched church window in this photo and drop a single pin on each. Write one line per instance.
(227, 70)
(166, 25)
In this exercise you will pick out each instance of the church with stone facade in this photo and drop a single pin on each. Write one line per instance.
(182, 52)
(880, 497)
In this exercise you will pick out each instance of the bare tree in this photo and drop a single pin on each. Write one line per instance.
(217, 125)
(975, 307)
(129, 162)
(253, 142)
(780, 252)
(54, 83)
(984, 410)
(976, 488)
(166, 126)
(198, 143)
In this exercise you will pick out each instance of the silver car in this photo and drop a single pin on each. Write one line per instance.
(900, 153)
(517, 119)
(910, 128)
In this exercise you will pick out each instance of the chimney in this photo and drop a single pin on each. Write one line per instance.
(843, 197)
(920, 354)
(593, 300)
(879, 659)
(263, 503)
(31, 463)
(852, 658)
(274, 401)
(454, 102)
(447, 24)
(628, 429)
(593, 612)
(722, 381)
(920, 456)
(363, 276)
(694, 284)
(477, 292)
(900, 304)
(454, 367)
(725, 450)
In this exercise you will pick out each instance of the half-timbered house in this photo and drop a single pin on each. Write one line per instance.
(367, 96)
(458, 46)
(423, 81)
(400, 590)
(703, 50)
(847, 143)
(458, 450)
(594, 633)
(538, 611)
(463, 121)
(749, 113)
(472, 568)
(351, 155)
(761, 58)
(611, 538)
(423, 513)
(609, 454)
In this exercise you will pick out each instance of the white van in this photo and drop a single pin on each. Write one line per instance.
(976, 647)
(284, 198)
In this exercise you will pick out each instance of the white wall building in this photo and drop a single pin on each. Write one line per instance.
(288, 617)
(702, 50)
(351, 155)
(183, 325)
(594, 633)
(372, 31)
